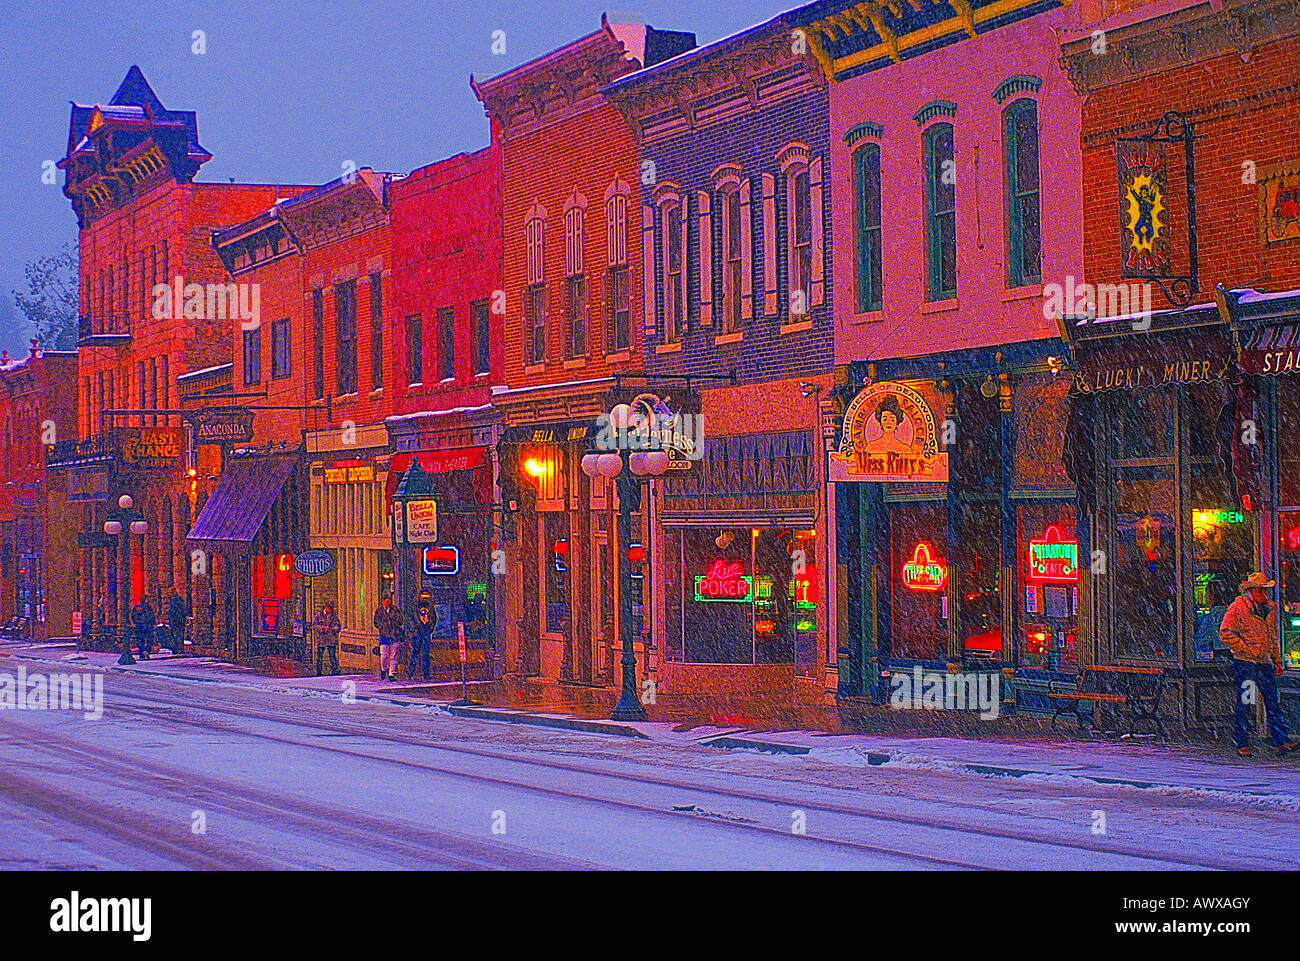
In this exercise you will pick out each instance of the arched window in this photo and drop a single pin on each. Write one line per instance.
(618, 281)
(535, 296)
(1024, 242)
(672, 274)
(941, 212)
(736, 247)
(576, 321)
(866, 187)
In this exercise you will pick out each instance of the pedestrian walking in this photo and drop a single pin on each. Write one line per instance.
(420, 637)
(177, 614)
(145, 622)
(325, 628)
(1249, 630)
(389, 624)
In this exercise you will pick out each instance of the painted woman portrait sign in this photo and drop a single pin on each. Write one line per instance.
(889, 435)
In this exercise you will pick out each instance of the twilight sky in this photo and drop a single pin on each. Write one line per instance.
(287, 89)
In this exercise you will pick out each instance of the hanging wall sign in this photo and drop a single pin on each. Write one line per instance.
(925, 572)
(222, 426)
(1053, 558)
(148, 447)
(725, 581)
(314, 562)
(1279, 198)
(421, 521)
(889, 434)
(1143, 201)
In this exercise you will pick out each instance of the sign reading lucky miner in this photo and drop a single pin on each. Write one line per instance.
(889, 434)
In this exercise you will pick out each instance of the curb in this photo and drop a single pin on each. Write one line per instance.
(562, 721)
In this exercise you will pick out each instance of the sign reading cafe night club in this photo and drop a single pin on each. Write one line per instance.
(889, 434)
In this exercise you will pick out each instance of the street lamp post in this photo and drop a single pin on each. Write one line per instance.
(626, 467)
(123, 522)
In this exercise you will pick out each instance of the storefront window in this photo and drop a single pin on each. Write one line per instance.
(1223, 550)
(981, 589)
(1143, 424)
(740, 595)
(1288, 403)
(1143, 565)
(1289, 586)
(556, 560)
(274, 610)
(919, 567)
(1048, 575)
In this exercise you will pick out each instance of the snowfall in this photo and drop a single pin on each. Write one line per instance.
(199, 764)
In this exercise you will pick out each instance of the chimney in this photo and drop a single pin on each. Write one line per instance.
(34, 352)
(4, 360)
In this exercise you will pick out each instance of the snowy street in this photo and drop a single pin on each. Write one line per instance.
(217, 770)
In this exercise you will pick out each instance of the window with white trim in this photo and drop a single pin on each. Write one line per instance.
(673, 242)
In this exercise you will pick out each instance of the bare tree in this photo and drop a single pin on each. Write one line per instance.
(52, 300)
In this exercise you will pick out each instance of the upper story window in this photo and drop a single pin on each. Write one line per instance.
(801, 245)
(280, 362)
(446, 343)
(345, 332)
(575, 274)
(480, 327)
(252, 356)
(535, 296)
(318, 342)
(1024, 249)
(866, 187)
(376, 331)
(673, 272)
(414, 349)
(732, 261)
(618, 281)
(940, 212)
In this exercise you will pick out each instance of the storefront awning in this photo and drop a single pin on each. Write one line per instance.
(243, 497)
(434, 462)
(1272, 350)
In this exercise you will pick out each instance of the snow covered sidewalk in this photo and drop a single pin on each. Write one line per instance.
(1186, 770)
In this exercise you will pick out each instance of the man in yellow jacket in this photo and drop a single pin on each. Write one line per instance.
(1249, 631)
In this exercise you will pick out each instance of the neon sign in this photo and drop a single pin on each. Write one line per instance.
(1208, 518)
(924, 572)
(1293, 539)
(724, 582)
(1053, 559)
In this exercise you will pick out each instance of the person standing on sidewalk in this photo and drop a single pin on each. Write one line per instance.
(1249, 630)
(145, 622)
(420, 640)
(389, 624)
(325, 629)
(177, 613)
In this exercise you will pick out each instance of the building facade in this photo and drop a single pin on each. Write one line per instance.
(946, 418)
(1180, 407)
(572, 248)
(738, 338)
(449, 309)
(144, 225)
(38, 399)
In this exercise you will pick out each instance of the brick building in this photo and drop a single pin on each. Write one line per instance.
(1184, 408)
(954, 157)
(130, 166)
(571, 229)
(38, 399)
(738, 335)
(311, 374)
(449, 349)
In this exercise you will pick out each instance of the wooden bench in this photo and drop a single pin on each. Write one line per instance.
(1136, 690)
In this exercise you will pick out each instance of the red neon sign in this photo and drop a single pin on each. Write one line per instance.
(1293, 539)
(924, 572)
(1053, 559)
(725, 581)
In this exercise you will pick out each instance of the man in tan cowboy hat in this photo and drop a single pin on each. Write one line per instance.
(1249, 631)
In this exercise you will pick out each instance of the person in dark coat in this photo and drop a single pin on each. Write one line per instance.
(145, 622)
(420, 636)
(390, 626)
(325, 626)
(177, 613)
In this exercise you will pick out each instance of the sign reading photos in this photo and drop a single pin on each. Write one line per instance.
(889, 434)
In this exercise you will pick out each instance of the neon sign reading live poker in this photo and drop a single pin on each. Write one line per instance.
(1053, 559)
(924, 572)
(724, 582)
